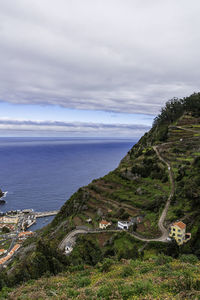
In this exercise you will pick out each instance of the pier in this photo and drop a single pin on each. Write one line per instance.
(45, 213)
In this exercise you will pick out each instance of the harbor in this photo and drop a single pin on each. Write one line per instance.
(23, 218)
(14, 229)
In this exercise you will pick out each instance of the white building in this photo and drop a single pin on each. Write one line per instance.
(68, 248)
(2, 251)
(9, 220)
(124, 225)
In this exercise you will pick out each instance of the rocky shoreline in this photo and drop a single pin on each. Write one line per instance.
(2, 201)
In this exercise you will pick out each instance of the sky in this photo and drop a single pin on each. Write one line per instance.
(94, 68)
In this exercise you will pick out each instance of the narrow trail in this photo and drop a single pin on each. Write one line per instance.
(188, 129)
(164, 231)
(71, 237)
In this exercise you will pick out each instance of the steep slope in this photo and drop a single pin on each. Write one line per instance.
(128, 279)
(157, 183)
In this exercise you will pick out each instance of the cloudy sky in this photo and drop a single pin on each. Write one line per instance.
(94, 67)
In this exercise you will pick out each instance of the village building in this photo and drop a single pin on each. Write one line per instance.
(137, 219)
(24, 234)
(2, 251)
(124, 225)
(10, 226)
(68, 248)
(104, 224)
(10, 254)
(9, 220)
(178, 232)
(89, 220)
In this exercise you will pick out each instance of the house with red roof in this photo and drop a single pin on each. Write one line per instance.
(104, 224)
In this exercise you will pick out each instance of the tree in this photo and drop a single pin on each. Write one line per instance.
(5, 229)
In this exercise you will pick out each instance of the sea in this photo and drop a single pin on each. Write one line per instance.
(42, 173)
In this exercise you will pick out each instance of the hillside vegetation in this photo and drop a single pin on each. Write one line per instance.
(140, 186)
(160, 277)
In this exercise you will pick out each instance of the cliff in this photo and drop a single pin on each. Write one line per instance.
(1, 193)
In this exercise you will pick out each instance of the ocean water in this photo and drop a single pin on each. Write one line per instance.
(42, 173)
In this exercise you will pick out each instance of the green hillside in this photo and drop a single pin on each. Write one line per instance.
(166, 161)
(160, 277)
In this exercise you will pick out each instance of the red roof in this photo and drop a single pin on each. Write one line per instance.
(104, 222)
(180, 225)
(22, 233)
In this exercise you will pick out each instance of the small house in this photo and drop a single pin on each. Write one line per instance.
(104, 224)
(2, 251)
(9, 220)
(124, 225)
(89, 220)
(24, 234)
(178, 232)
(68, 248)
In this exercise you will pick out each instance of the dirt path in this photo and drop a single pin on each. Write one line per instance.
(187, 129)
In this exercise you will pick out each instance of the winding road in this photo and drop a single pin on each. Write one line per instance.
(71, 237)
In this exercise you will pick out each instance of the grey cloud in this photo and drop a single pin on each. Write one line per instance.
(75, 128)
(101, 55)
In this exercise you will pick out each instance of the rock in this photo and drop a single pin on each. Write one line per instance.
(99, 212)
(1, 193)
(130, 176)
(139, 191)
(156, 186)
(85, 207)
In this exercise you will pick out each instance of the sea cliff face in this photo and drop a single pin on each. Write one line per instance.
(1, 193)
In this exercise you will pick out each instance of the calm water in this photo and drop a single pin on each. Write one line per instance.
(43, 173)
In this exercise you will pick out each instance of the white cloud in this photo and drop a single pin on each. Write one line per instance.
(123, 56)
(79, 129)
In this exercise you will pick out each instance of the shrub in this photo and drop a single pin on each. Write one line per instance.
(163, 259)
(126, 291)
(83, 281)
(5, 229)
(104, 292)
(142, 287)
(189, 258)
(106, 264)
(71, 293)
(127, 271)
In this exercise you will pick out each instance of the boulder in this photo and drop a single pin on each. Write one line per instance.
(1, 193)
(139, 191)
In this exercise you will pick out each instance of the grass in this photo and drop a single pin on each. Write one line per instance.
(154, 278)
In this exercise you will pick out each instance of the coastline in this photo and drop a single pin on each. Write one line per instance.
(2, 195)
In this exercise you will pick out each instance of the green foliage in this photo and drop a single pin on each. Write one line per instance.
(190, 258)
(106, 265)
(83, 282)
(86, 251)
(5, 229)
(135, 279)
(175, 108)
(150, 167)
(125, 247)
(71, 293)
(127, 271)
(163, 259)
(105, 292)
